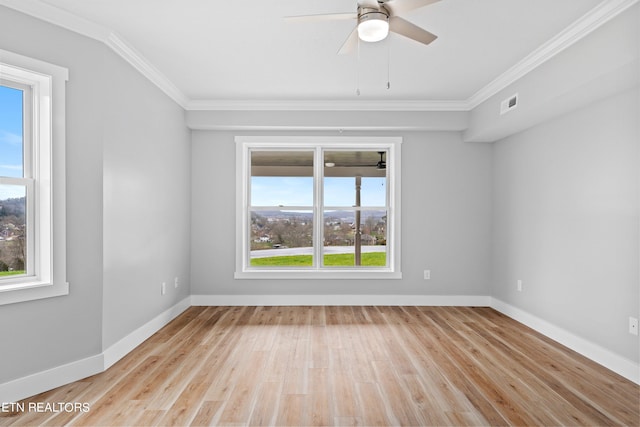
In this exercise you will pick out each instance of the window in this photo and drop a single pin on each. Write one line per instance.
(318, 207)
(32, 226)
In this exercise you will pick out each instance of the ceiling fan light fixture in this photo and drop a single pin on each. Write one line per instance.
(373, 26)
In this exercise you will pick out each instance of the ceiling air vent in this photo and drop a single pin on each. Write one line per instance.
(509, 104)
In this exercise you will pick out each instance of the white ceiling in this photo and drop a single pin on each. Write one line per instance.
(244, 50)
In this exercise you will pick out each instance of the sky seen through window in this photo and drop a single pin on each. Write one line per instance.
(11, 144)
(298, 191)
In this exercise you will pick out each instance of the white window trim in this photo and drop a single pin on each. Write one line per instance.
(244, 144)
(47, 82)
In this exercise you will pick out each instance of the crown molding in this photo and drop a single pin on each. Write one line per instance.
(77, 24)
(589, 22)
(140, 63)
(592, 20)
(325, 105)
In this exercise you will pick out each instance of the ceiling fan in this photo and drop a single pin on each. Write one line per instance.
(381, 164)
(375, 19)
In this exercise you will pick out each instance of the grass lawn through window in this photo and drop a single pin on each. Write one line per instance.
(373, 259)
(11, 273)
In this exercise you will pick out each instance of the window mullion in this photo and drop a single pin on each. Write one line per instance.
(29, 133)
(246, 208)
(32, 232)
(317, 208)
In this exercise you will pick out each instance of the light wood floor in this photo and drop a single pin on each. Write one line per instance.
(412, 366)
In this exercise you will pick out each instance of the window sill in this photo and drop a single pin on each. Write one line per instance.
(318, 275)
(29, 291)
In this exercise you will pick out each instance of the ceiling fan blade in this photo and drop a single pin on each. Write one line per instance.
(350, 43)
(398, 7)
(319, 18)
(409, 30)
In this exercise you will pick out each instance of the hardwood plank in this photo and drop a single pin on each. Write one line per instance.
(346, 366)
(393, 347)
(149, 418)
(343, 387)
(520, 381)
(295, 380)
(165, 394)
(372, 406)
(267, 402)
(111, 401)
(319, 347)
(438, 347)
(186, 406)
(238, 406)
(395, 395)
(318, 317)
(267, 328)
(573, 407)
(427, 406)
(320, 409)
(291, 412)
(347, 421)
(206, 413)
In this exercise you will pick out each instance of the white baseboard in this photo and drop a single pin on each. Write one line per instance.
(271, 300)
(121, 348)
(40, 382)
(598, 354)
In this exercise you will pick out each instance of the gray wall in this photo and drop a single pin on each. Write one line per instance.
(146, 174)
(445, 220)
(52, 332)
(110, 110)
(602, 63)
(565, 221)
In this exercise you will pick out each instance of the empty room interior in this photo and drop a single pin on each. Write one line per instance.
(401, 212)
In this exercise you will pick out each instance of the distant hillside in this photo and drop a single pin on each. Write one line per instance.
(13, 207)
(309, 215)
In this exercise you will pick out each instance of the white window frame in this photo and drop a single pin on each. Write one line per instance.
(244, 145)
(44, 142)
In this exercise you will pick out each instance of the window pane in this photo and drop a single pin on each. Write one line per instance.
(342, 191)
(340, 184)
(281, 178)
(13, 207)
(281, 238)
(11, 132)
(340, 242)
(281, 191)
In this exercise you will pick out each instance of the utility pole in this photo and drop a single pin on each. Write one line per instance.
(358, 237)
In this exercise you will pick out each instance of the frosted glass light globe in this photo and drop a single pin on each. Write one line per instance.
(373, 29)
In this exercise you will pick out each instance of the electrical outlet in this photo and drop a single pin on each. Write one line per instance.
(163, 288)
(633, 326)
(175, 282)
(427, 274)
(519, 285)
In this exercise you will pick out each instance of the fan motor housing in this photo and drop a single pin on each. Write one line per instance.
(366, 13)
(373, 23)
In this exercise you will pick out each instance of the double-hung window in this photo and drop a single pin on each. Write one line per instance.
(318, 207)
(32, 203)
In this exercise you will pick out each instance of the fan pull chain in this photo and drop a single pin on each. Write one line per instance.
(388, 63)
(358, 70)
